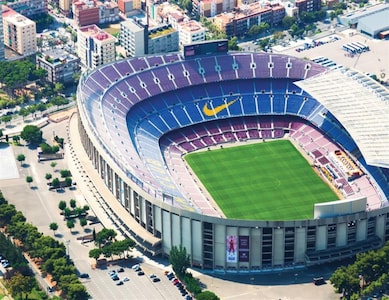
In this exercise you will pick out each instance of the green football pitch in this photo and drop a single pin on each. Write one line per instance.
(262, 181)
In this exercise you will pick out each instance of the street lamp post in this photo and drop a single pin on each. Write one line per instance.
(67, 243)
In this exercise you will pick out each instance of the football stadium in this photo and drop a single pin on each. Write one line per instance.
(251, 161)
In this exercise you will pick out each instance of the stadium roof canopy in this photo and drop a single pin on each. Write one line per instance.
(360, 104)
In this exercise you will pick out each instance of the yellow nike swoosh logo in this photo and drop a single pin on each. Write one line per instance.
(209, 112)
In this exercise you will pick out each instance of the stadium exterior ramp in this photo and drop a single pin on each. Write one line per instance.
(128, 107)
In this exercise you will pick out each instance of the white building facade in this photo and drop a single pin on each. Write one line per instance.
(95, 46)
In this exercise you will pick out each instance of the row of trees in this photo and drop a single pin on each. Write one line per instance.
(74, 211)
(108, 246)
(180, 261)
(50, 252)
(367, 275)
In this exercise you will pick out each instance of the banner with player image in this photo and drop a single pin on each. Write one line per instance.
(232, 244)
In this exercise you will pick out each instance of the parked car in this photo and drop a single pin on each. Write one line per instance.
(137, 269)
(125, 279)
(318, 280)
(135, 266)
(119, 282)
(84, 275)
(141, 273)
(112, 272)
(115, 277)
(120, 270)
(153, 276)
(156, 279)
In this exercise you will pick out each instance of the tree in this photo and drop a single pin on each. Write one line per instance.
(62, 205)
(53, 226)
(1, 134)
(83, 222)
(31, 134)
(53, 164)
(253, 31)
(16, 139)
(77, 292)
(19, 284)
(233, 43)
(70, 224)
(7, 211)
(58, 87)
(95, 253)
(179, 259)
(288, 21)
(18, 217)
(105, 235)
(6, 119)
(73, 203)
(21, 158)
(48, 176)
(68, 181)
(29, 179)
(23, 112)
(65, 173)
(207, 295)
(55, 183)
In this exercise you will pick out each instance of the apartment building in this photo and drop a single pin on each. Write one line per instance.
(60, 65)
(29, 8)
(126, 7)
(190, 32)
(162, 39)
(86, 13)
(109, 12)
(95, 46)
(133, 37)
(137, 39)
(19, 32)
(308, 5)
(65, 6)
(239, 21)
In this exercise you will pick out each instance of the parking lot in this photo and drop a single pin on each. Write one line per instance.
(137, 287)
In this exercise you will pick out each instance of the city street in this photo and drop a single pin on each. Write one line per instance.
(40, 206)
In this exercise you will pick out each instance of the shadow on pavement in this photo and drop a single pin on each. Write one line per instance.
(286, 277)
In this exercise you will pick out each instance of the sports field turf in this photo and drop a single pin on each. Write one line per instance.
(262, 181)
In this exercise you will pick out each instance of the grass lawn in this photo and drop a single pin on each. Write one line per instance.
(263, 181)
(112, 29)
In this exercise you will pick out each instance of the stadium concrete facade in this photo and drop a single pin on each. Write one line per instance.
(138, 117)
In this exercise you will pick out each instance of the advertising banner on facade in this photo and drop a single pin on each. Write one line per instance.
(232, 248)
(244, 248)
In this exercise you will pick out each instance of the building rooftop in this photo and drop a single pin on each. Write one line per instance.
(85, 4)
(57, 56)
(93, 31)
(191, 26)
(6, 11)
(160, 31)
(244, 12)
